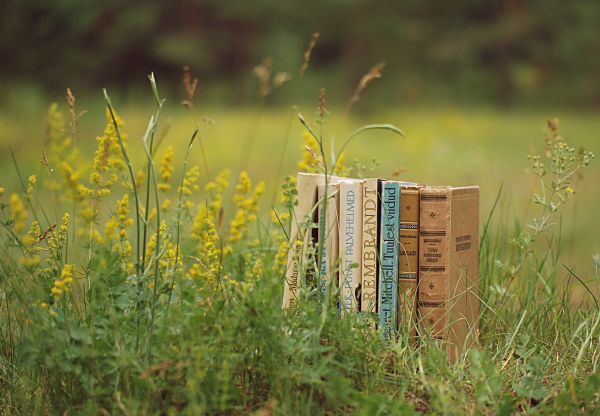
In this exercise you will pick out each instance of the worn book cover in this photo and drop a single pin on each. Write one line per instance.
(328, 235)
(350, 239)
(370, 236)
(388, 258)
(409, 259)
(449, 265)
(304, 220)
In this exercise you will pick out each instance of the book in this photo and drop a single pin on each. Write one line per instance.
(328, 195)
(302, 236)
(350, 239)
(409, 259)
(388, 257)
(370, 233)
(449, 265)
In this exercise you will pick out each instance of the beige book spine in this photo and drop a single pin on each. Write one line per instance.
(449, 265)
(329, 259)
(304, 222)
(350, 239)
(409, 258)
(303, 219)
(370, 235)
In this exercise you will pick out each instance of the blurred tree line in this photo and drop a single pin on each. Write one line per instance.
(506, 52)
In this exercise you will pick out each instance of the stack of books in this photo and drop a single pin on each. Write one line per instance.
(402, 253)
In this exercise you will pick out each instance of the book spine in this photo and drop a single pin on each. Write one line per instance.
(350, 244)
(388, 247)
(301, 236)
(433, 260)
(409, 258)
(370, 233)
(328, 235)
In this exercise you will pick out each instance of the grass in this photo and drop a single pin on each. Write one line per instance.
(85, 331)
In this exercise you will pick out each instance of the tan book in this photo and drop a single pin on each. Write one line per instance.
(449, 265)
(328, 196)
(350, 244)
(370, 236)
(409, 258)
(304, 219)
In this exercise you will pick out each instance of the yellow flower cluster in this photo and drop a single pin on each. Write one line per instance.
(18, 213)
(190, 185)
(107, 160)
(58, 239)
(246, 202)
(151, 245)
(115, 230)
(31, 248)
(63, 284)
(208, 263)
(208, 259)
(31, 181)
(165, 169)
(215, 190)
(311, 161)
(72, 178)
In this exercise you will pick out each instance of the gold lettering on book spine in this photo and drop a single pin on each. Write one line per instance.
(369, 246)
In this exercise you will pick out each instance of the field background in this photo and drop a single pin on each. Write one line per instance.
(443, 145)
(472, 85)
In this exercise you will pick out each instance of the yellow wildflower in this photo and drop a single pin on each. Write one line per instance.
(32, 259)
(64, 282)
(18, 213)
(189, 186)
(310, 161)
(215, 190)
(57, 239)
(247, 207)
(107, 156)
(208, 254)
(165, 169)
(1, 190)
(30, 183)
(115, 229)
(139, 178)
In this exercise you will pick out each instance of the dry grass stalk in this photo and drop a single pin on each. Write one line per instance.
(374, 73)
(322, 109)
(190, 84)
(263, 74)
(308, 52)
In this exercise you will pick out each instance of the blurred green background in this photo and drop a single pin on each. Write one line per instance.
(495, 52)
(470, 82)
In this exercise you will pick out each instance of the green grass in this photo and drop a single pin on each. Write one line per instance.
(221, 344)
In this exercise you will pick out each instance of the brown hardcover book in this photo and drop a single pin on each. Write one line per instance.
(370, 253)
(409, 258)
(449, 265)
(304, 221)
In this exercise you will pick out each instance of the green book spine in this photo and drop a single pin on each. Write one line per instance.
(389, 253)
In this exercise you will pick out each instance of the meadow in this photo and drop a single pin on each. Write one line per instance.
(95, 321)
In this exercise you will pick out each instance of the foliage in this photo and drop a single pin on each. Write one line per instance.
(498, 52)
(191, 321)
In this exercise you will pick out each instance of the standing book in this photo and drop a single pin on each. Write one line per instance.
(449, 265)
(370, 253)
(409, 258)
(328, 195)
(350, 239)
(303, 223)
(388, 257)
